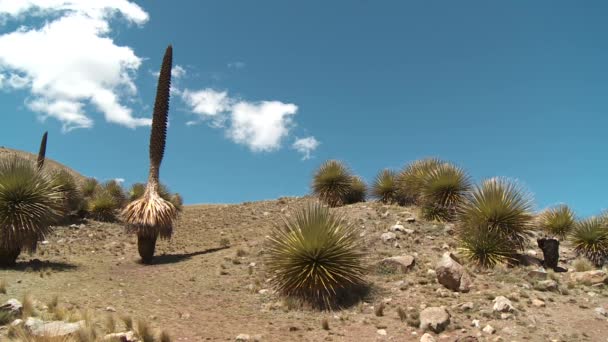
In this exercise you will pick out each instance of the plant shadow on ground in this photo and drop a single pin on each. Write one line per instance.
(164, 259)
(39, 265)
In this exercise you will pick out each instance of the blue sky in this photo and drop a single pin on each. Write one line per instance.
(516, 89)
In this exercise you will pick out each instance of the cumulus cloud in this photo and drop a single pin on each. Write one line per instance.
(119, 180)
(69, 61)
(261, 126)
(236, 65)
(306, 146)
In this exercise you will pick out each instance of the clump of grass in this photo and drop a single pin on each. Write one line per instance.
(332, 183)
(402, 314)
(413, 319)
(443, 189)
(27, 309)
(224, 242)
(144, 331)
(325, 324)
(73, 199)
(3, 286)
(384, 187)
(164, 337)
(89, 187)
(557, 221)
(29, 204)
(379, 310)
(127, 321)
(315, 256)
(590, 239)
(110, 323)
(6, 317)
(103, 206)
(357, 191)
(582, 264)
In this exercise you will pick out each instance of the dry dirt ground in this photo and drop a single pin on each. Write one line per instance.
(200, 291)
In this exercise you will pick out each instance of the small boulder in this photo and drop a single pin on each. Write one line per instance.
(37, 327)
(546, 285)
(397, 227)
(537, 275)
(435, 319)
(427, 338)
(452, 275)
(589, 277)
(402, 263)
(13, 306)
(538, 303)
(503, 304)
(242, 338)
(388, 237)
(410, 219)
(488, 329)
(128, 336)
(381, 332)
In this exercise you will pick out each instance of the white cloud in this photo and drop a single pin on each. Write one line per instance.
(119, 180)
(261, 126)
(178, 71)
(306, 146)
(236, 65)
(70, 61)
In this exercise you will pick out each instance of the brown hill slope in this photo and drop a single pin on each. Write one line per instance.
(49, 163)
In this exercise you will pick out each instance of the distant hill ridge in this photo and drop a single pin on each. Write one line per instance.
(49, 163)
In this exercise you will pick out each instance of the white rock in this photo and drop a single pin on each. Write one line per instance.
(435, 319)
(388, 237)
(13, 306)
(397, 227)
(589, 277)
(475, 323)
(410, 219)
(128, 336)
(427, 338)
(242, 338)
(488, 329)
(538, 303)
(263, 291)
(381, 332)
(601, 312)
(37, 327)
(503, 304)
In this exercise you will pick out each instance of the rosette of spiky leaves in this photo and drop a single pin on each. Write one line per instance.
(501, 205)
(411, 179)
(557, 221)
(590, 239)
(314, 256)
(151, 215)
(443, 189)
(88, 187)
(177, 200)
(73, 200)
(384, 187)
(42, 151)
(332, 183)
(485, 247)
(103, 206)
(29, 203)
(357, 191)
(114, 189)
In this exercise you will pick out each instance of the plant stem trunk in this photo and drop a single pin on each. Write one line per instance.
(146, 246)
(8, 257)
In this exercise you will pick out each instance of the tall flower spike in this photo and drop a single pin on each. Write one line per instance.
(42, 151)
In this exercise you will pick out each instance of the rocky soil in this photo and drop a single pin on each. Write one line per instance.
(209, 282)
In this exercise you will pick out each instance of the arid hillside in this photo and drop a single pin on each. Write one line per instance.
(209, 282)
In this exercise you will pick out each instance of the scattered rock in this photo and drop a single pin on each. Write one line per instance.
(589, 277)
(402, 263)
(110, 309)
(466, 306)
(16, 322)
(449, 228)
(13, 306)
(427, 338)
(451, 274)
(467, 339)
(388, 237)
(398, 227)
(475, 323)
(435, 319)
(502, 304)
(38, 327)
(488, 329)
(601, 312)
(242, 338)
(410, 219)
(128, 336)
(538, 303)
(537, 274)
(546, 285)
(381, 332)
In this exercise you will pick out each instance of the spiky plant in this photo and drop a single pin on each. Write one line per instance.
(177, 201)
(88, 187)
(42, 151)
(29, 203)
(137, 190)
(103, 206)
(151, 216)
(114, 189)
(385, 188)
(73, 200)
(590, 239)
(442, 190)
(557, 221)
(357, 191)
(315, 256)
(411, 179)
(500, 205)
(332, 183)
(484, 247)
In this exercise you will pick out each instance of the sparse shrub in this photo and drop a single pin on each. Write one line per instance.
(590, 239)
(6, 317)
(442, 189)
(557, 221)
(165, 337)
(485, 247)
(501, 206)
(89, 187)
(151, 216)
(315, 256)
(413, 319)
(325, 324)
(332, 183)
(385, 188)
(379, 310)
(357, 191)
(136, 191)
(29, 203)
(582, 264)
(110, 323)
(144, 332)
(224, 242)
(27, 309)
(128, 322)
(73, 199)
(103, 206)
(411, 179)
(402, 314)
(177, 201)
